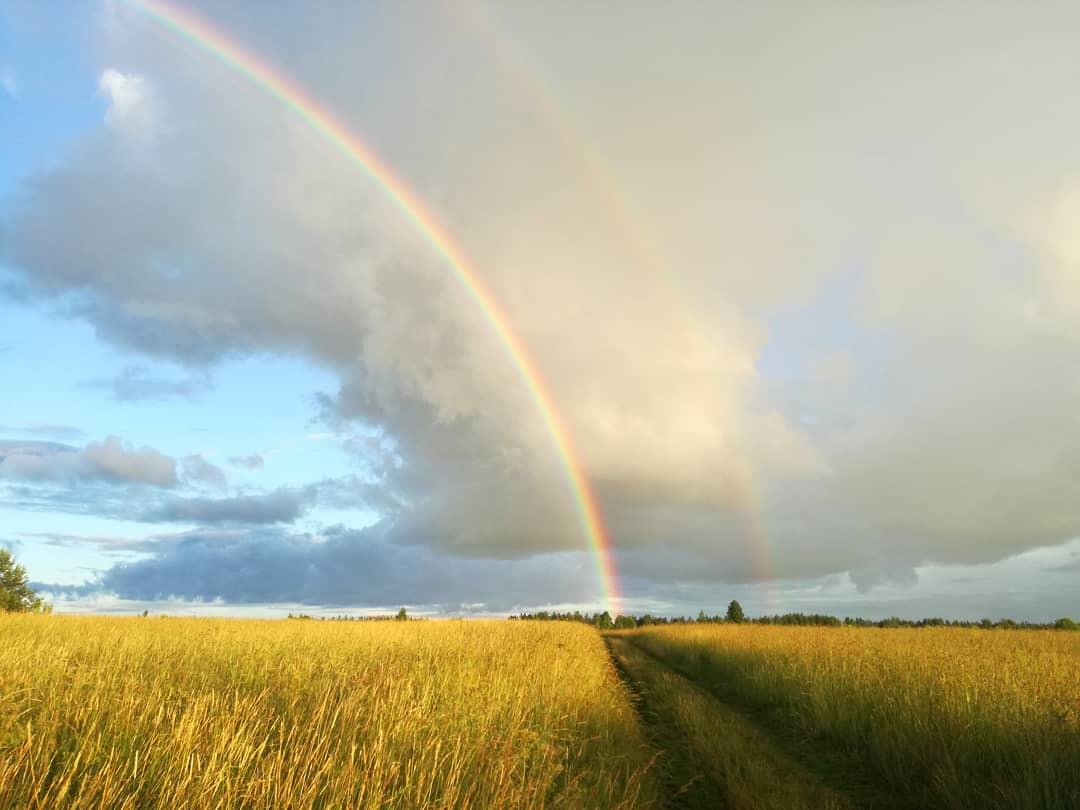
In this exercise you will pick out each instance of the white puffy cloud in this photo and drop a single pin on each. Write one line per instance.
(132, 108)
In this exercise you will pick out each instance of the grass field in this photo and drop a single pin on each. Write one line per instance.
(179, 713)
(185, 713)
(942, 718)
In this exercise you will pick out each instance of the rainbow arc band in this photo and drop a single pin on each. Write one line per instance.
(635, 231)
(201, 33)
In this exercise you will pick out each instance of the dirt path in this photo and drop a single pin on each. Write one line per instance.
(711, 756)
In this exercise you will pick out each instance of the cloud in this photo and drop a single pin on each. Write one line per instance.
(340, 566)
(1072, 564)
(104, 543)
(926, 411)
(279, 506)
(135, 384)
(44, 477)
(35, 429)
(197, 471)
(417, 360)
(111, 460)
(131, 104)
(255, 461)
(37, 459)
(114, 459)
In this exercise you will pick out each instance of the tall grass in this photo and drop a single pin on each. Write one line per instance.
(182, 713)
(948, 718)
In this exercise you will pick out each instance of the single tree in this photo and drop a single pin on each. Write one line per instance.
(16, 595)
(402, 616)
(734, 612)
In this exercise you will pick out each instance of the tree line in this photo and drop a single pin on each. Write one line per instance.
(400, 616)
(735, 615)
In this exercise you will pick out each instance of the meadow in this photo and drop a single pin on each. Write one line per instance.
(184, 713)
(929, 717)
(206, 713)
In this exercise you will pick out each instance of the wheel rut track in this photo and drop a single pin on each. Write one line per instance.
(716, 754)
(687, 787)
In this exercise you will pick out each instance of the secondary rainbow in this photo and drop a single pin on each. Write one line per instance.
(593, 167)
(229, 52)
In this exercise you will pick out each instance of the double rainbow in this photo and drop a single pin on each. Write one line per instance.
(276, 84)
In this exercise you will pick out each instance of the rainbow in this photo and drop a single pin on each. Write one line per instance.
(280, 87)
(589, 160)
(602, 181)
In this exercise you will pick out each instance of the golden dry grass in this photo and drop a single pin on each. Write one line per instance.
(183, 713)
(942, 717)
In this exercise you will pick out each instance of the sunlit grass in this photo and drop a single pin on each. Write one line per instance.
(945, 717)
(130, 712)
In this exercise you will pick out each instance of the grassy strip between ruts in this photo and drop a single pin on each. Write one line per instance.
(713, 756)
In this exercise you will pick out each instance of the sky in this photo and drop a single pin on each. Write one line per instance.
(803, 286)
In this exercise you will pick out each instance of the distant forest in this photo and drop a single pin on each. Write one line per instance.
(735, 615)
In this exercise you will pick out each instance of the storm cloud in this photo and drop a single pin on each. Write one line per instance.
(802, 283)
(338, 567)
(280, 506)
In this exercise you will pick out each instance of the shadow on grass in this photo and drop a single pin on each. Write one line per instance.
(831, 769)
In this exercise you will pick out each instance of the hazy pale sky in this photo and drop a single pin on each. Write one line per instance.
(804, 284)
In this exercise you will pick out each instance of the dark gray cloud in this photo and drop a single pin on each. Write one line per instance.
(136, 383)
(342, 567)
(279, 506)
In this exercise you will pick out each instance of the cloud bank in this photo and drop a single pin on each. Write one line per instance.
(803, 284)
(281, 506)
(338, 567)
